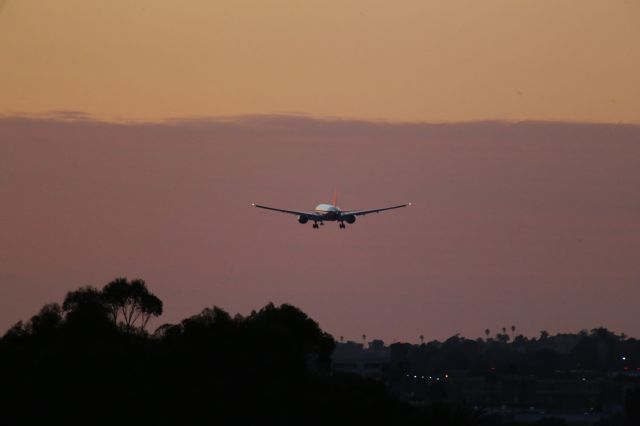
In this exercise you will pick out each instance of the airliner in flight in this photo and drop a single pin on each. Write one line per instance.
(330, 213)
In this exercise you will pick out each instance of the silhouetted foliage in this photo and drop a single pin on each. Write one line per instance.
(73, 363)
(80, 362)
(47, 321)
(86, 313)
(599, 350)
(131, 303)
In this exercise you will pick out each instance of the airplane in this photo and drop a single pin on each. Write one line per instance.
(329, 213)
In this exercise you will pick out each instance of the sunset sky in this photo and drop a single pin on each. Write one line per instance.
(135, 135)
(408, 60)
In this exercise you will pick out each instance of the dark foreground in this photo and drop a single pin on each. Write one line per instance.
(91, 361)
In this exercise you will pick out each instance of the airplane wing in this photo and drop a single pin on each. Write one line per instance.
(363, 212)
(309, 215)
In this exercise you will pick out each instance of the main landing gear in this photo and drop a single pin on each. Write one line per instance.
(317, 225)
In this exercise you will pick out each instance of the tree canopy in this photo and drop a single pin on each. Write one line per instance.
(130, 303)
(90, 360)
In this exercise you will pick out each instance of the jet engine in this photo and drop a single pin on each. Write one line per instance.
(303, 219)
(350, 219)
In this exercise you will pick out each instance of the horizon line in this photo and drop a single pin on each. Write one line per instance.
(74, 116)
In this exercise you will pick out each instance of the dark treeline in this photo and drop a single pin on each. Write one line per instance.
(90, 360)
(598, 350)
(595, 373)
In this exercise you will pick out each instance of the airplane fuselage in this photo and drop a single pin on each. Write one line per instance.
(329, 212)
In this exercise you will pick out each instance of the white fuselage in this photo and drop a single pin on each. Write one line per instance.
(328, 211)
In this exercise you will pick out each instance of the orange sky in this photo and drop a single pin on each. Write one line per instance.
(533, 224)
(410, 60)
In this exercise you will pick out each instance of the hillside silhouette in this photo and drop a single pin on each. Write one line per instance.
(91, 360)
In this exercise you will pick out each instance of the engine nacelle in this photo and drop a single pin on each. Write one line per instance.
(350, 219)
(303, 219)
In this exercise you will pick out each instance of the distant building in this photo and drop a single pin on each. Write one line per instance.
(352, 357)
(577, 396)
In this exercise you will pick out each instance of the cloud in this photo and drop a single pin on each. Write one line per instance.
(287, 126)
(66, 115)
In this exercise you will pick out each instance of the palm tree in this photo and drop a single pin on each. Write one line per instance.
(364, 338)
(513, 332)
(487, 332)
(422, 339)
(341, 339)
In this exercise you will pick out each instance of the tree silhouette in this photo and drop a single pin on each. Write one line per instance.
(271, 367)
(48, 319)
(16, 331)
(82, 298)
(131, 303)
(86, 313)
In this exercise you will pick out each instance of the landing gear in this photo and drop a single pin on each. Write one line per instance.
(342, 225)
(315, 225)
